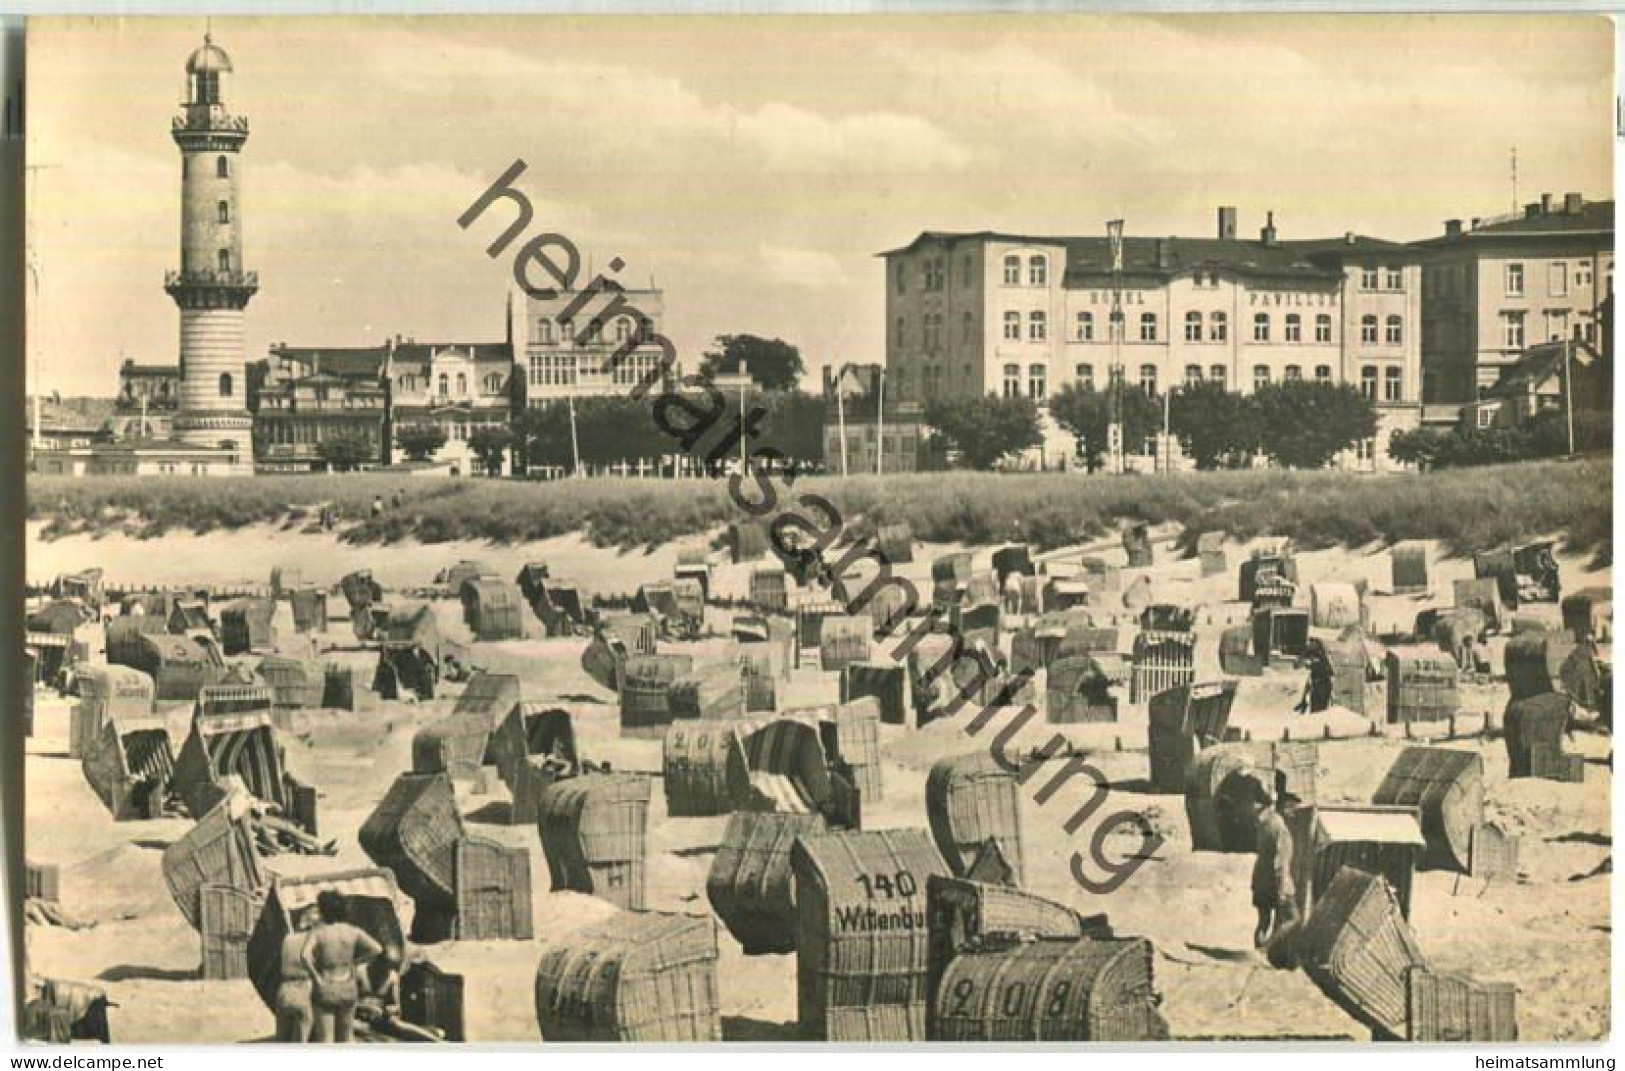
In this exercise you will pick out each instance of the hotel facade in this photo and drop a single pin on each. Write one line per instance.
(987, 312)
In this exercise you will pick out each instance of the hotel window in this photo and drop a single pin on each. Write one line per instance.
(1558, 281)
(462, 384)
(902, 332)
(224, 260)
(1012, 271)
(646, 330)
(1218, 329)
(1396, 278)
(1193, 327)
(1012, 381)
(902, 278)
(1086, 375)
(1261, 327)
(1557, 325)
(1037, 382)
(967, 328)
(1294, 327)
(1037, 327)
(1365, 449)
(1368, 382)
(1148, 327)
(1291, 374)
(1012, 326)
(1393, 384)
(223, 210)
(1323, 328)
(623, 328)
(1368, 278)
(222, 167)
(1217, 374)
(1148, 379)
(1368, 330)
(493, 383)
(1038, 271)
(1261, 376)
(1582, 273)
(1086, 327)
(567, 330)
(544, 330)
(1393, 331)
(1193, 375)
(1512, 330)
(1323, 373)
(966, 271)
(445, 384)
(1514, 280)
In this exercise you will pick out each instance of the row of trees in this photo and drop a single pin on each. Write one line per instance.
(1297, 424)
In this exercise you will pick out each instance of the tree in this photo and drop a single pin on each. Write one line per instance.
(1217, 427)
(1303, 425)
(773, 363)
(1421, 447)
(986, 428)
(345, 452)
(542, 435)
(420, 441)
(489, 444)
(1087, 414)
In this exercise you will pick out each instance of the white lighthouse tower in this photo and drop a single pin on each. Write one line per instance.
(211, 288)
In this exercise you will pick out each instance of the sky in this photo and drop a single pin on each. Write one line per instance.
(752, 167)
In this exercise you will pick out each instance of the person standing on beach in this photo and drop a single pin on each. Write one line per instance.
(338, 952)
(293, 1011)
(1273, 891)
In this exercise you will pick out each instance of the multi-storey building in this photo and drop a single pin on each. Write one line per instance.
(461, 386)
(305, 397)
(155, 387)
(989, 312)
(568, 340)
(1496, 287)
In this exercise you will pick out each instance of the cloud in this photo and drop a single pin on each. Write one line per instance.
(810, 269)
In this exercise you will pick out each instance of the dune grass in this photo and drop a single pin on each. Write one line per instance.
(1466, 509)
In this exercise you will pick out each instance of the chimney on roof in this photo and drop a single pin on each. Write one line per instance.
(1348, 237)
(1572, 203)
(1164, 252)
(1452, 228)
(1475, 222)
(1545, 204)
(1267, 235)
(1227, 223)
(1531, 210)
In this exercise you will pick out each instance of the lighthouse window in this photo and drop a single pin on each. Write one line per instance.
(224, 211)
(225, 384)
(222, 167)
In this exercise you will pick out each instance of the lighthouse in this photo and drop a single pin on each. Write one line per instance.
(212, 289)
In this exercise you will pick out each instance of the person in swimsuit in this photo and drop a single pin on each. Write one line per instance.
(338, 951)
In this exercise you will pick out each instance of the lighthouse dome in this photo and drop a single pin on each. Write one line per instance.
(210, 59)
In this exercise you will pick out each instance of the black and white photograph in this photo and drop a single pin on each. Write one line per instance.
(827, 528)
